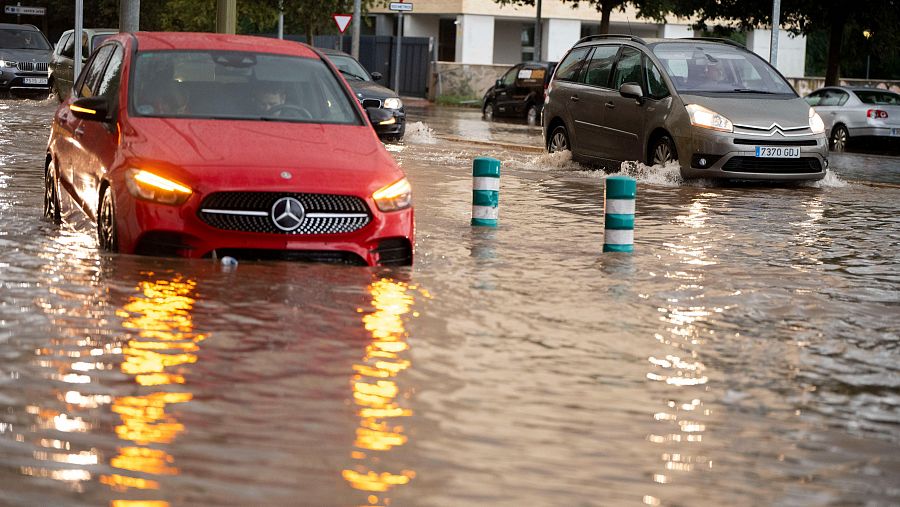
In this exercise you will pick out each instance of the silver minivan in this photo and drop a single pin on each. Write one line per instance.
(716, 108)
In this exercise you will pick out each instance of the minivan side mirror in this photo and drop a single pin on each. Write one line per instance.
(376, 76)
(377, 115)
(631, 90)
(91, 108)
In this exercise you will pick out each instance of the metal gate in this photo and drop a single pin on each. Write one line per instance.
(376, 54)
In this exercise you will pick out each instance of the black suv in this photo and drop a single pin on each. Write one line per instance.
(24, 60)
(520, 92)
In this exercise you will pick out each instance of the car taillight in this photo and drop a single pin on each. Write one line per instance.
(878, 114)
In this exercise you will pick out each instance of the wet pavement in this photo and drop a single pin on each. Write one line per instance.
(745, 354)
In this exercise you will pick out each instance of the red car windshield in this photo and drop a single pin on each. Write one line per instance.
(238, 86)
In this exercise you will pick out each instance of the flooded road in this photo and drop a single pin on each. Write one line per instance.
(745, 354)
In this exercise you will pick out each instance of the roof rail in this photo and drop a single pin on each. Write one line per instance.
(632, 38)
(717, 39)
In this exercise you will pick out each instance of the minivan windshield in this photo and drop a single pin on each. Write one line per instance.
(22, 39)
(238, 85)
(718, 68)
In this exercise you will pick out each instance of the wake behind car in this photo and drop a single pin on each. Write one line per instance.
(856, 112)
(24, 58)
(371, 94)
(203, 145)
(519, 92)
(716, 108)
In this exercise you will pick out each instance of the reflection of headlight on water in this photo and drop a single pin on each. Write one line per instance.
(393, 103)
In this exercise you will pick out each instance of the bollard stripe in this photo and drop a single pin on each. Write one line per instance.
(618, 248)
(485, 183)
(618, 237)
(485, 222)
(621, 187)
(619, 222)
(485, 198)
(486, 166)
(620, 206)
(485, 212)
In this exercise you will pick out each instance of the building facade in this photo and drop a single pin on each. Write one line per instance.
(482, 32)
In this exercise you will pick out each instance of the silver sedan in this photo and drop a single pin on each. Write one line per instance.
(853, 112)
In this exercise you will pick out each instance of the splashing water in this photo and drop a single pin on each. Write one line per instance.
(831, 180)
(561, 160)
(419, 133)
(668, 174)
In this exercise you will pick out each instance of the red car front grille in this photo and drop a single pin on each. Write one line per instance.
(252, 212)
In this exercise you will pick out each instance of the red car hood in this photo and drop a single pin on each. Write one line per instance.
(216, 155)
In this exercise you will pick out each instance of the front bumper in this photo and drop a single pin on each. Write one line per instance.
(707, 153)
(157, 229)
(396, 129)
(13, 80)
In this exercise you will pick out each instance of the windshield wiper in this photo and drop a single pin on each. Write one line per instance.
(748, 90)
(348, 73)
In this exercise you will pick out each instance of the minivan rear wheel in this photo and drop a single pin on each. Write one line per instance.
(559, 140)
(488, 113)
(663, 151)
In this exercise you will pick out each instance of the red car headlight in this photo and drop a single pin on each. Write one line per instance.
(153, 187)
(396, 196)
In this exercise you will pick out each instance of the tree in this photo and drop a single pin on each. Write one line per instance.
(802, 17)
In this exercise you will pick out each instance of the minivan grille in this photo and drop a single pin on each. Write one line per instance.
(767, 142)
(773, 165)
(32, 66)
(251, 212)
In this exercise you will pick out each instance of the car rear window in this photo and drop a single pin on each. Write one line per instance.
(238, 85)
(22, 39)
(878, 97)
(719, 68)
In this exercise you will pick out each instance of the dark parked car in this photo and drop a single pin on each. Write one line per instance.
(520, 92)
(24, 58)
(371, 94)
(857, 113)
(62, 62)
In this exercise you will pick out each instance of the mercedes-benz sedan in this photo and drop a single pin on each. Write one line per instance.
(204, 145)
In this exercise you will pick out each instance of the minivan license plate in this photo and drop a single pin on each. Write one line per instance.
(778, 151)
(35, 80)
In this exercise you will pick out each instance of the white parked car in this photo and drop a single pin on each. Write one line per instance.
(851, 113)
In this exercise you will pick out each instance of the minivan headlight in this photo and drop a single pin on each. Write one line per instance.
(396, 196)
(705, 118)
(815, 122)
(393, 103)
(153, 187)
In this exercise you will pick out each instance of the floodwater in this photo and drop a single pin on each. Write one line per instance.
(745, 354)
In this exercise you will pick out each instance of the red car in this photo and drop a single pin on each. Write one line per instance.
(203, 145)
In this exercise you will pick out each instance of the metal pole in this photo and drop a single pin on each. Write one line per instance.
(226, 16)
(129, 15)
(79, 28)
(18, 14)
(868, 58)
(537, 33)
(281, 19)
(354, 44)
(776, 23)
(397, 52)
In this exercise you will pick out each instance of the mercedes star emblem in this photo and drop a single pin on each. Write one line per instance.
(287, 214)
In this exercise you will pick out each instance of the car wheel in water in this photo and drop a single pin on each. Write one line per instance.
(533, 115)
(839, 138)
(559, 140)
(106, 223)
(488, 112)
(663, 151)
(51, 194)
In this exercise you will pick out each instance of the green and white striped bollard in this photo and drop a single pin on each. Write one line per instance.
(485, 191)
(618, 234)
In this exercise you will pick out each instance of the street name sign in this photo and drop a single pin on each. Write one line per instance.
(342, 20)
(26, 11)
(401, 7)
